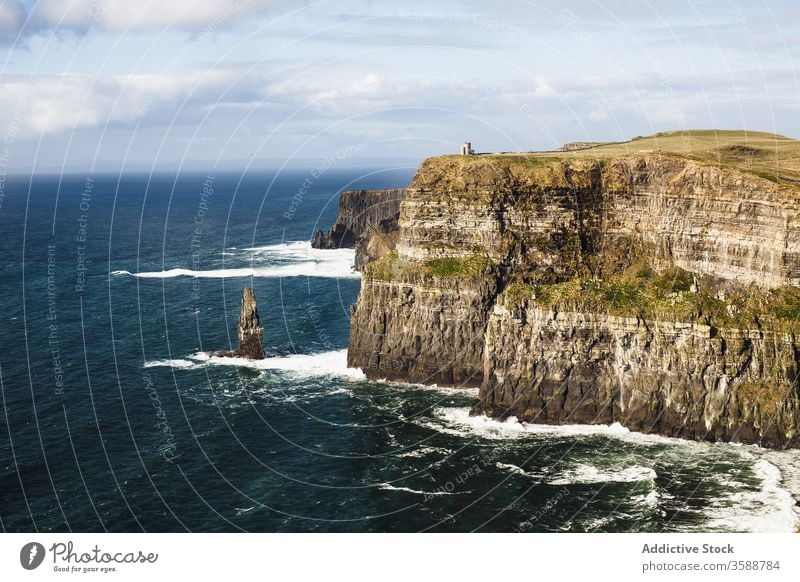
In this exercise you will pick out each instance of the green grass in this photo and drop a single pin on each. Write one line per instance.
(667, 296)
(391, 268)
(456, 267)
(387, 268)
(671, 281)
(766, 155)
(518, 292)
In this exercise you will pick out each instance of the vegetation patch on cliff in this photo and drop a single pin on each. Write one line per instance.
(761, 399)
(670, 295)
(392, 268)
(387, 268)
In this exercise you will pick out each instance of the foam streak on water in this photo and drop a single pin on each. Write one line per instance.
(295, 259)
(333, 363)
(389, 487)
(581, 474)
(459, 421)
(768, 508)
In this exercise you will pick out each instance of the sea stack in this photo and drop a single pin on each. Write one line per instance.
(250, 329)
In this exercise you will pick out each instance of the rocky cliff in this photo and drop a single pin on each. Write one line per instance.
(367, 221)
(635, 283)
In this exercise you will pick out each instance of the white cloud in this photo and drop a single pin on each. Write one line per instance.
(48, 104)
(243, 107)
(119, 15)
(543, 88)
(12, 18)
(80, 16)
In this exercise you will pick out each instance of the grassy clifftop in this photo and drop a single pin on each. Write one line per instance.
(766, 155)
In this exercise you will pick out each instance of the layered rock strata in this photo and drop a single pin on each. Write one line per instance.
(367, 221)
(249, 330)
(653, 290)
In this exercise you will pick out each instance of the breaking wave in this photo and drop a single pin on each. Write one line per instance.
(294, 259)
(583, 474)
(771, 508)
(333, 363)
(457, 421)
(177, 363)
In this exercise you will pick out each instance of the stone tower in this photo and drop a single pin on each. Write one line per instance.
(466, 149)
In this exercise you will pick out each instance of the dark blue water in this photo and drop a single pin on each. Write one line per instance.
(115, 290)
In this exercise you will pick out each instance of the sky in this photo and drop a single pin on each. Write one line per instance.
(115, 85)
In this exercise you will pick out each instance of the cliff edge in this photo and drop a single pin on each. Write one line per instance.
(652, 283)
(367, 221)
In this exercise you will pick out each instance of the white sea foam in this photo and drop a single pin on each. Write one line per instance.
(333, 363)
(329, 269)
(423, 451)
(516, 470)
(768, 509)
(459, 422)
(177, 363)
(652, 499)
(299, 249)
(585, 473)
(594, 523)
(390, 487)
(771, 508)
(294, 259)
(302, 395)
(444, 390)
(788, 462)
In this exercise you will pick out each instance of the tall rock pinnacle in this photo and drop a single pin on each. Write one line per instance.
(250, 329)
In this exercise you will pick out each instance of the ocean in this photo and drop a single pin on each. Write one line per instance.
(116, 292)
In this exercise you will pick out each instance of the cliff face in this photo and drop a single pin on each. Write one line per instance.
(651, 289)
(678, 379)
(367, 221)
(704, 219)
(429, 332)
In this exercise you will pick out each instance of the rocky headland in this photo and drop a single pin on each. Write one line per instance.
(652, 283)
(367, 220)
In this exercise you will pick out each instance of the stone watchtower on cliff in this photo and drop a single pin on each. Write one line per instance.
(466, 149)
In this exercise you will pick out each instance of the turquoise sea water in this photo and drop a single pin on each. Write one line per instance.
(116, 290)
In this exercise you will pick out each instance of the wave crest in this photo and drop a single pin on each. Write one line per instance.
(333, 363)
(295, 259)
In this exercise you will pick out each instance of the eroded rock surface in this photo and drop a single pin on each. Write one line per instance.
(249, 330)
(654, 290)
(367, 221)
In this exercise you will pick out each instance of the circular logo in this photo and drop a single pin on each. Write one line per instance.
(31, 555)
